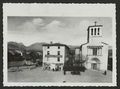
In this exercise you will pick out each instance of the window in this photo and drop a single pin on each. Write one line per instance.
(58, 47)
(58, 52)
(98, 31)
(99, 51)
(58, 59)
(92, 31)
(89, 51)
(48, 53)
(48, 47)
(94, 51)
(95, 32)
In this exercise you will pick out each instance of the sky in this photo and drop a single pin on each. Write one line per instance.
(66, 30)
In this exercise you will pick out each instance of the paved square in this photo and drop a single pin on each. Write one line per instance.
(39, 75)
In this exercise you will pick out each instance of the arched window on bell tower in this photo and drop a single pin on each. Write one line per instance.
(92, 31)
(95, 31)
(98, 31)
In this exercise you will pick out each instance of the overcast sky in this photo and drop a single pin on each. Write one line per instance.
(67, 30)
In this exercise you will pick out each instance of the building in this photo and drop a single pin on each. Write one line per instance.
(54, 55)
(95, 52)
(77, 53)
(110, 59)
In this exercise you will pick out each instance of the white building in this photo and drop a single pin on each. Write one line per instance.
(54, 55)
(95, 52)
(77, 53)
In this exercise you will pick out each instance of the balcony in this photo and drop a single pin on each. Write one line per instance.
(53, 55)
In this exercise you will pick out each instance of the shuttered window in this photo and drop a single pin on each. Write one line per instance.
(94, 51)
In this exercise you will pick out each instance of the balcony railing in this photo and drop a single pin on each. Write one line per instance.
(53, 55)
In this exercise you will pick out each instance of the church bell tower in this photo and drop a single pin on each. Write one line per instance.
(94, 33)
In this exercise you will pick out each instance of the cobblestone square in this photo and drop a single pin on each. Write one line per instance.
(39, 75)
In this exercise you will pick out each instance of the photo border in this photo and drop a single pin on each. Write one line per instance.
(6, 49)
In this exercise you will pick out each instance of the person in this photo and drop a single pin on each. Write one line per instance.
(64, 72)
(105, 72)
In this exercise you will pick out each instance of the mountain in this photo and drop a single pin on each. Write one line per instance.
(35, 46)
(38, 46)
(72, 47)
(16, 46)
(21, 46)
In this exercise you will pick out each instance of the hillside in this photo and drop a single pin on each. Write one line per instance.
(15, 45)
(72, 47)
(21, 46)
(35, 46)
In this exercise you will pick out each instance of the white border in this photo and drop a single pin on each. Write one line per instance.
(79, 10)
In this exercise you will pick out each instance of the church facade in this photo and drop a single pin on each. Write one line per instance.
(95, 52)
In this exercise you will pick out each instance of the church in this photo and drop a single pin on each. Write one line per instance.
(95, 52)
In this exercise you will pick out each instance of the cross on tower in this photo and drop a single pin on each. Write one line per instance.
(95, 22)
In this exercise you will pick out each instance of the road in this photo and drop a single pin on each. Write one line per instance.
(39, 75)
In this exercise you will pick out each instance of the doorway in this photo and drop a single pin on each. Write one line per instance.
(94, 66)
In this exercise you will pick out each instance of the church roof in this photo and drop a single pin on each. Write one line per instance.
(94, 26)
(82, 45)
(96, 44)
(104, 43)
